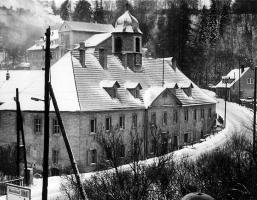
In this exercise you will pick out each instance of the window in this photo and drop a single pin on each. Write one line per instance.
(93, 125)
(56, 127)
(122, 122)
(186, 115)
(202, 113)
(195, 114)
(37, 125)
(250, 81)
(164, 121)
(153, 118)
(55, 156)
(108, 151)
(137, 41)
(186, 138)
(175, 116)
(209, 113)
(175, 143)
(108, 123)
(134, 120)
(122, 151)
(93, 156)
(118, 45)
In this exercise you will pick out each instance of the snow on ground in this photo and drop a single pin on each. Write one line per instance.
(239, 119)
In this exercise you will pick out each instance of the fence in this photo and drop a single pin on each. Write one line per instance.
(3, 185)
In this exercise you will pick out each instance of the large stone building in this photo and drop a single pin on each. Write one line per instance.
(102, 91)
(243, 77)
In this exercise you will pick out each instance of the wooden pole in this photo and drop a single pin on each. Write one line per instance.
(46, 118)
(254, 114)
(18, 134)
(20, 130)
(67, 144)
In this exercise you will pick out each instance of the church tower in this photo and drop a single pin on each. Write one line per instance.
(127, 41)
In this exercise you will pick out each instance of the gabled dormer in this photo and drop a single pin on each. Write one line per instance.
(110, 87)
(127, 41)
(188, 89)
(134, 88)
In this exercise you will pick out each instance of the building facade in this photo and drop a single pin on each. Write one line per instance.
(106, 90)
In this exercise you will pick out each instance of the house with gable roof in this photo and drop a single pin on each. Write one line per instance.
(243, 77)
(100, 90)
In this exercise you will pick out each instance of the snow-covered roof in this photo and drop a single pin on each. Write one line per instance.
(132, 85)
(127, 23)
(234, 75)
(31, 84)
(108, 84)
(80, 88)
(40, 44)
(89, 27)
(97, 39)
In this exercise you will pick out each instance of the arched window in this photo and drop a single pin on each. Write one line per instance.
(137, 44)
(118, 44)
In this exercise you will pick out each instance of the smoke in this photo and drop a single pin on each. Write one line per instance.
(22, 22)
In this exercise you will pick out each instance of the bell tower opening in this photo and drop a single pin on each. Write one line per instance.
(137, 44)
(117, 45)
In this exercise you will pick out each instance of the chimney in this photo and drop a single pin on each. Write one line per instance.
(7, 75)
(102, 58)
(174, 63)
(82, 54)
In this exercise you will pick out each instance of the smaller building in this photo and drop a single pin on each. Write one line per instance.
(239, 80)
(71, 33)
(36, 53)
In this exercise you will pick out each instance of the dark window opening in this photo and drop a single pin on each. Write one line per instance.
(195, 114)
(108, 122)
(118, 45)
(93, 125)
(137, 45)
(93, 156)
(153, 118)
(55, 156)
(165, 118)
(122, 122)
(134, 121)
(185, 137)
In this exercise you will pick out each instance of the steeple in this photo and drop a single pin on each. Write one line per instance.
(127, 41)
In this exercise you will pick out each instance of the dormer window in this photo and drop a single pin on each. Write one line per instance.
(117, 45)
(188, 90)
(110, 87)
(134, 88)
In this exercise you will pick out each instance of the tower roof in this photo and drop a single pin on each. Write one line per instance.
(127, 23)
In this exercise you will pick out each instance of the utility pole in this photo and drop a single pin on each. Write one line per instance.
(67, 144)
(46, 118)
(254, 114)
(20, 130)
(162, 67)
(18, 135)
